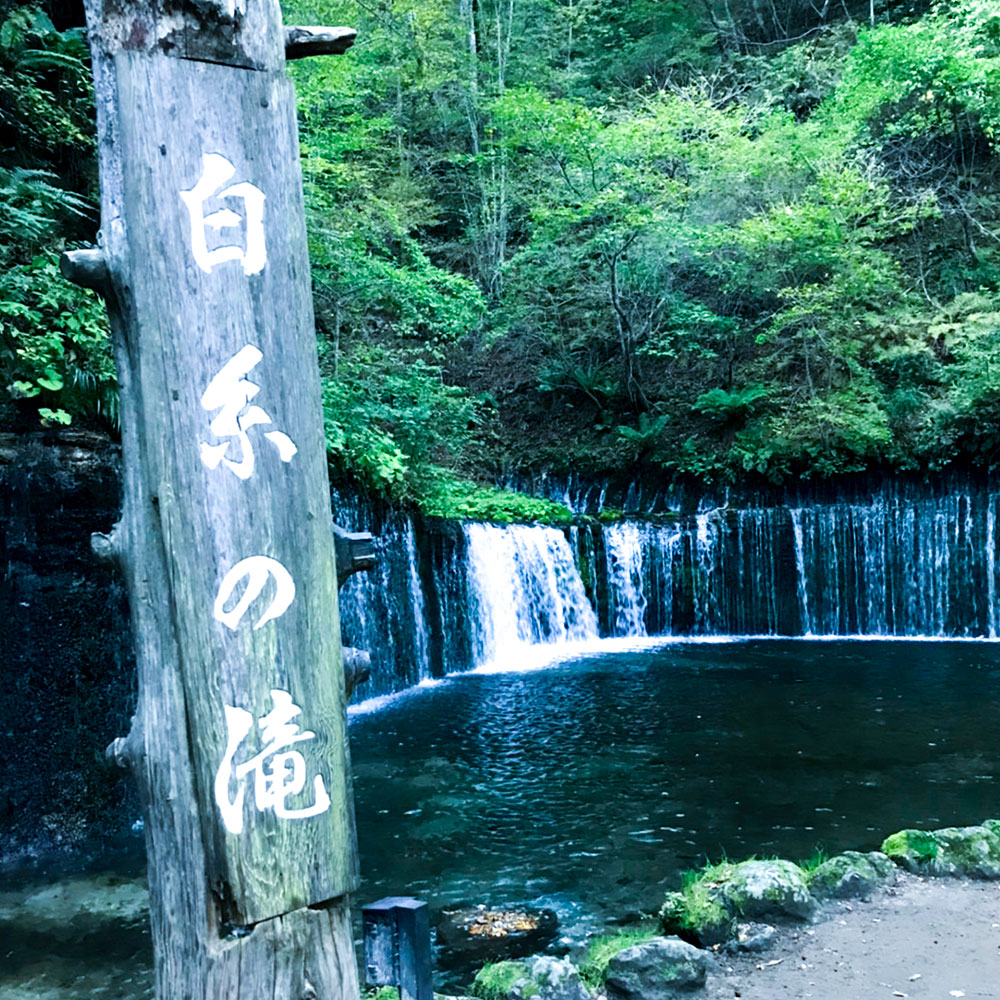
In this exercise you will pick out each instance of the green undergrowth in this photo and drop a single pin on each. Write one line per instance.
(604, 947)
(817, 858)
(697, 906)
(381, 993)
(462, 500)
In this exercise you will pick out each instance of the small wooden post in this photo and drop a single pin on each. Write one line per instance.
(398, 946)
(239, 741)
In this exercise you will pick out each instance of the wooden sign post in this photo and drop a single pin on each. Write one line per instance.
(239, 740)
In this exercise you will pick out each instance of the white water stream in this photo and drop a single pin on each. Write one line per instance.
(525, 590)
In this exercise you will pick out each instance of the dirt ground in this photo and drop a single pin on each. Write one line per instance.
(924, 938)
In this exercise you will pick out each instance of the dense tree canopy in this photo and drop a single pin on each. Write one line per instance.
(729, 239)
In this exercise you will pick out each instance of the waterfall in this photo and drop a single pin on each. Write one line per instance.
(421, 647)
(639, 568)
(904, 560)
(624, 545)
(991, 572)
(383, 611)
(526, 590)
(801, 590)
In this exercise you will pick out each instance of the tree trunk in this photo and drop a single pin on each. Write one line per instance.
(225, 538)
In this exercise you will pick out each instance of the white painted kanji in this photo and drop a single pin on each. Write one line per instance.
(251, 252)
(279, 774)
(230, 392)
(256, 571)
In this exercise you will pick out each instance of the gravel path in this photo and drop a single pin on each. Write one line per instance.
(926, 939)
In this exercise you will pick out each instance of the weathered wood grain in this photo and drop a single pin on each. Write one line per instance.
(261, 913)
(397, 941)
(192, 325)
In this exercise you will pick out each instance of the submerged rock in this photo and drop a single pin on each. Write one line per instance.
(851, 875)
(663, 968)
(971, 851)
(482, 933)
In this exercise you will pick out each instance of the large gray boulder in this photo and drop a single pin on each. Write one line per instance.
(711, 905)
(664, 968)
(557, 979)
(764, 890)
(851, 875)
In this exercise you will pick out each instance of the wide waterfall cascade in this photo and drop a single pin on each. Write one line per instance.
(447, 597)
(896, 565)
(899, 567)
(526, 590)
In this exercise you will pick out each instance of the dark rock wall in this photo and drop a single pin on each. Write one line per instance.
(66, 663)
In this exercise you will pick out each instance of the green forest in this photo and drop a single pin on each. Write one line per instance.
(726, 241)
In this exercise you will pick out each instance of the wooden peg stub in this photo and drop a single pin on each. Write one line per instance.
(106, 548)
(355, 551)
(119, 752)
(85, 267)
(357, 667)
(317, 40)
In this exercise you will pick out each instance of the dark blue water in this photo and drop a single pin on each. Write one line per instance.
(590, 785)
(598, 781)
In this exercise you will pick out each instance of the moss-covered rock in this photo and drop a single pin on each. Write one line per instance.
(604, 947)
(769, 889)
(503, 980)
(539, 978)
(699, 911)
(710, 904)
(851, 875)
(971, 851)
(913, 849)
(663, 968)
